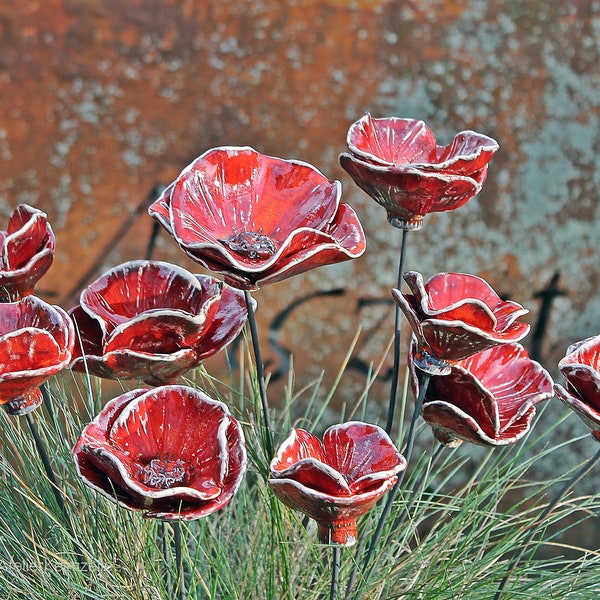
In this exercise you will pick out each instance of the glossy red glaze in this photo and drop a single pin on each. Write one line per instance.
(336, 480)
(455, 315)
(26, 252)
(488, 398)
(581, 369)
(258, 219)
(36, 342)
(171, 451)
(155, 321)
(400, 165)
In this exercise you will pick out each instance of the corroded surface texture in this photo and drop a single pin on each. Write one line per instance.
(101, 100)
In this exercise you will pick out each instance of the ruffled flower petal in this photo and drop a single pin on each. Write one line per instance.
(154, 321)
(172, 451)
(337, 480)
(258, 219)
(400, 165)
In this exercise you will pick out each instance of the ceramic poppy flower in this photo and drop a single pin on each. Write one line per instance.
(488, 398)
(581, 369)
(171, 451)
(258, 219)
(455, 315)
(36, 341)
(154, 321)
(336, 480)
(27, 251)
(400, 165)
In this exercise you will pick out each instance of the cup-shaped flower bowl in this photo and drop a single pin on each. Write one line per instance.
(36, 342)
(258, 219)
(26, 252)
(455, 315)
(400, 165)
(337, 480)
(154, 321)
(581, 369)
(171, 451)
(488, 398)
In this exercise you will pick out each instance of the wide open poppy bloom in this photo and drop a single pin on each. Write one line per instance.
(26, 253)
(455, 315)
(154, 321)
(581, 369)
(258, 219)
(171, 451)
(488, 398)
(400, 165)
(337, 480)
(36, 341)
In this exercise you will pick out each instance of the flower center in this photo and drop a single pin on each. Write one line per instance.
(252, 244)
(164, 474)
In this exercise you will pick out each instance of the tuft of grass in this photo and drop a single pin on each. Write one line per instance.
(451, 534)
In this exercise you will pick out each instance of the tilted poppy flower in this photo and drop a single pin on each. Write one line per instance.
(171, 451)
(258, 219)
(336, 480)
(27, 251)
(154, 321)
(400, 165)
(488, 398)
(36, 341)
(455, 315)
(581, 369)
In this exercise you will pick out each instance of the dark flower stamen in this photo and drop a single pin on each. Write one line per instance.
(252, 244)
(163, 474)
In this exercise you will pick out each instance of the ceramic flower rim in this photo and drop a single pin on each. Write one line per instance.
(328, 242)
(336, 217)
(494, 398)
(172, 357)
(580, 369)
(488, 144)
(24, 271)
(414, 169)
(356, 499)
(493, 336)
(352, 488)
(419, 328)
(423, 298)
(491, 394)
(24, 231)
(62, 356)
(469, 420)
(104, 450)
(177, 319)
(570, 361)
(62, 328)
(329, 471)
(106, 320)
(588, 415)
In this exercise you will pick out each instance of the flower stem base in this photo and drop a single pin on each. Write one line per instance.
(338, 533)
(430, 364)
(24, 404)
(413, 224)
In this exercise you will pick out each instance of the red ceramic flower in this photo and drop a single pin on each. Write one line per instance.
(400, 165)
(581, 370)
(488, 398)
(171, 451)
(154, 321)
(337, 480)
(36, 341)
(27, 252)
(258, 219)
(455, 315)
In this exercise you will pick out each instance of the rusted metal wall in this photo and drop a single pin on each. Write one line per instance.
(102, 100)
